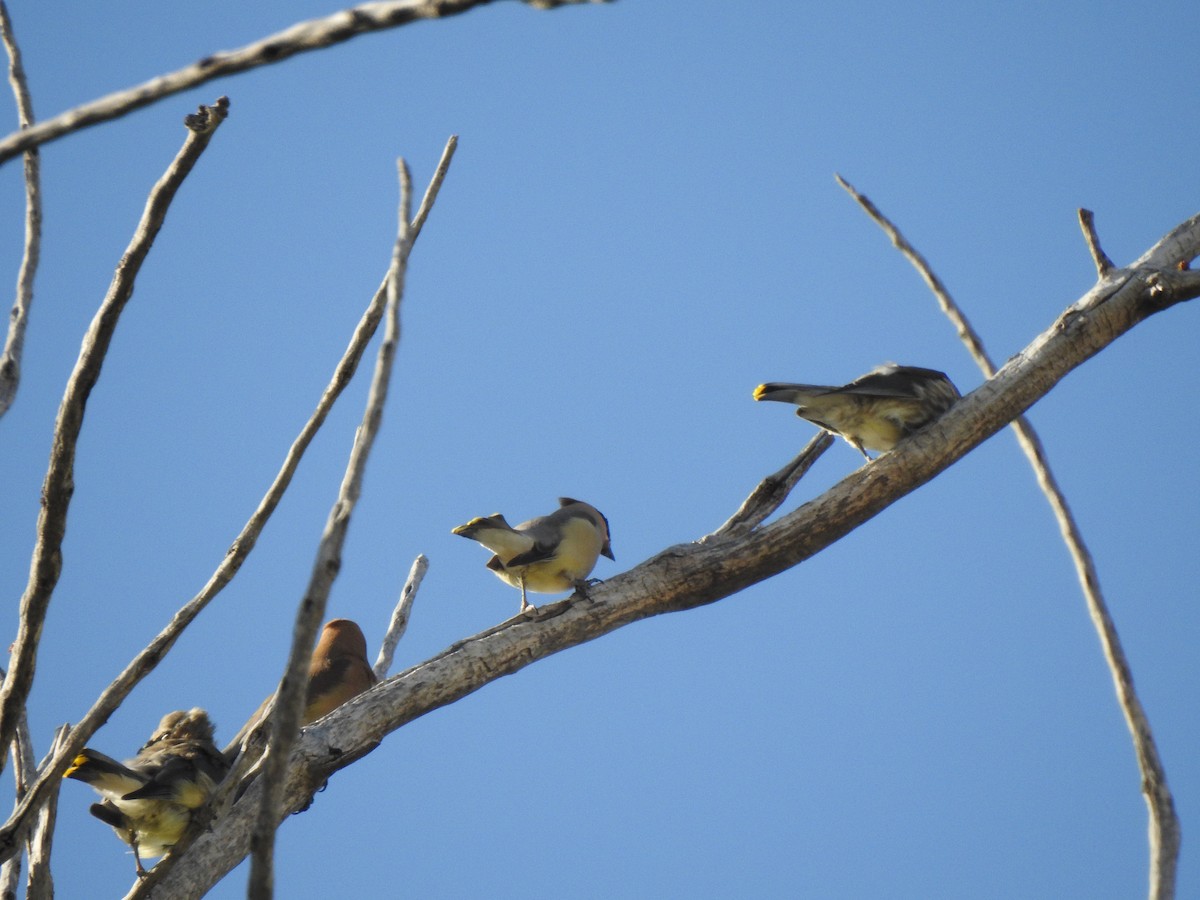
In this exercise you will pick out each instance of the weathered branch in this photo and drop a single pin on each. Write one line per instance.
(40, 884)
(1175, 250)
(770, 493)
(289, 700)
(1165, 836)
(313, 34)
(1087, 222)
(18, 318)
(59, 482)
(24, 770)
(399, 623)
(690, 575)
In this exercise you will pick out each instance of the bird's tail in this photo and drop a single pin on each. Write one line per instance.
(495, 534)
(104, 773)
(799, 394)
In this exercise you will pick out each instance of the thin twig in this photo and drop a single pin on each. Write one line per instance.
(18, 319)
(24, 770)
(435, 187)
(289, 700)
(313, 34)
(770, 493)
(1087, 221)
(966, 333)
(59, 483)
(399, 623)
(40, 884)
(1164, 824)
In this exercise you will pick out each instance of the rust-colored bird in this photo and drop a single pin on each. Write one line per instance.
(547, 555)
(338, 671)
(149, 800)
(874, 411)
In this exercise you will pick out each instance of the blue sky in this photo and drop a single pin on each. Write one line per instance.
(640, 225)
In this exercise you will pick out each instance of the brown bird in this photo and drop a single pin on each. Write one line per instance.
(338, 671)
(548, 554)
(149, 800)
(875, 411)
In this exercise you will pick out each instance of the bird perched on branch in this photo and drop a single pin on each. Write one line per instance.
(338, 671)
(149, 800)
(545, 555)
(872, 412)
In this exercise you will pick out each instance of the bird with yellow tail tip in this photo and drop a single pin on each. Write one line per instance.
(875, 411)
(338, 671)
(149, 800)
(546, 555)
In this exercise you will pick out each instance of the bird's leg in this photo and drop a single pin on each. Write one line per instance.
(861, 449)
(137, 855)
(525, 604)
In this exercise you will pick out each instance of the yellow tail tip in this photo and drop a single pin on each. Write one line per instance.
(759, 391)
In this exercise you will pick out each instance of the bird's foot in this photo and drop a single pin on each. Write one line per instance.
(583, 587)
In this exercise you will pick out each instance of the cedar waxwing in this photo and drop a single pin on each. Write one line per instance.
(149, 800)
(872, 412)
(548, 554)
(338, 671)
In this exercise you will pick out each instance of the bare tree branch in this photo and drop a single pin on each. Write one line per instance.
(289, 701)
(40, 885)
(1174, 251)
(431, 192)
(24, 769)
(399, 622)
(59, 483)
(10, 877)
(18, 319)
(1087, 222)
(313, 34)
(691, 575)
(1165, 834)
(770, 493)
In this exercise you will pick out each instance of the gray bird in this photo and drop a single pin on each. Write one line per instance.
(548, 554)
(875, 411)
(149, 800)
